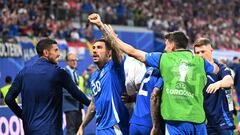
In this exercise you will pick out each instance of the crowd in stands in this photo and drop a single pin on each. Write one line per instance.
(218, 20)
(40, 19)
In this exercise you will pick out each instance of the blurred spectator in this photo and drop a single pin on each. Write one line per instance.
(88, 32)
(121, 13)
(4, 90)
(75, 35)
(217, 20)
(236, 60)
(86, 76)
(235, 63)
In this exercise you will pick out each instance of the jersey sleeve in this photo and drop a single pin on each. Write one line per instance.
(71, 87)
(209, 68)
(159, 83)
(13, 92)
(224, 71)
(153, 59)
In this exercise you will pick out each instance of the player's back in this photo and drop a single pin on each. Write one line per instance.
(184, 77)
(142, 113)
(41, 98)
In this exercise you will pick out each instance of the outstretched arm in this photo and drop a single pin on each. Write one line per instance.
(111, 37)
(117, 55)
(71, 87)
(89, 116)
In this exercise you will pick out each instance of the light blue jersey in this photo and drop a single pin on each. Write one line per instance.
(107, 87)
(142, 113)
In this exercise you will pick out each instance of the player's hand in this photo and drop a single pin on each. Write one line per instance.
(125, 98)
(110, 30)
(155, 131)
(238, 128)
(95, 19)
(212, 88)
(80, 130)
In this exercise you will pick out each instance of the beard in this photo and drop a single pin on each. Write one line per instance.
(53, 60)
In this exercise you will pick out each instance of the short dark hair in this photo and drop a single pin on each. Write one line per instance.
(235, 58)
(201, 42)
(179, 38)
(8, 79)
(44, 44)
(108, 46)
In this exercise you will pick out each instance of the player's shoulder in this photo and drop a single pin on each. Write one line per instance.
(59, 69)
(155, 54)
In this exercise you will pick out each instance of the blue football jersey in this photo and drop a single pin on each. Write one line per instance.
(107, 87)
(142, 113)
(216, 104)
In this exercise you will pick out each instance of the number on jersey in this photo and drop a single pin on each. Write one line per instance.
(96, 87)
(145, 80)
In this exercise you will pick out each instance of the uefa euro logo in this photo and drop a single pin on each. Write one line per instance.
(183, 70)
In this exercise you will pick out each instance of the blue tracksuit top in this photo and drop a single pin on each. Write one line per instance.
(41, 86)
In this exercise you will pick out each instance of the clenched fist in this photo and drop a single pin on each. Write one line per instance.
(95, 19)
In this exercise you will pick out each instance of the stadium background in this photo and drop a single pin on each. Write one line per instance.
(139, 23)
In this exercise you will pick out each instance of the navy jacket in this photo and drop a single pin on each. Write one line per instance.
(41, 87)
(70, 103)
(237, 78)
(216, 104)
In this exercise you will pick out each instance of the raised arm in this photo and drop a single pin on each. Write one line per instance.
(115, 42)
(89, 116)
(117, 55)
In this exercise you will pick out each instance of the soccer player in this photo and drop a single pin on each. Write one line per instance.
(219, 117)
(141, 121)
(41, 86)
(134, 72)
(107, 84)
(184, 77)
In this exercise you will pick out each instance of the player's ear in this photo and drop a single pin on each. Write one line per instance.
(45, 52)
(173, 47)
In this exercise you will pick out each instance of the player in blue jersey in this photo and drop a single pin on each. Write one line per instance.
(219, 117)
(107, 84)
(134, 72)
(175, 42)
(141, 121)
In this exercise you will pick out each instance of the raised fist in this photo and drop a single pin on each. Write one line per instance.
(95, 19)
